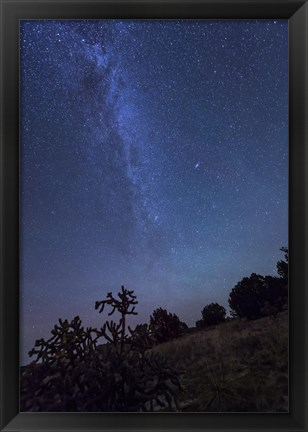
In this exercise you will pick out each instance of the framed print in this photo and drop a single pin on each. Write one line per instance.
(154, 178)
(153, 242)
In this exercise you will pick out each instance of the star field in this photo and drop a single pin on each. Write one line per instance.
(154, 154)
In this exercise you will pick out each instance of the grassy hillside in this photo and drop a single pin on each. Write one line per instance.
(236, 366)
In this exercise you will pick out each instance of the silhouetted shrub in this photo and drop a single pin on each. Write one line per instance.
(165, 325)
(213, 314)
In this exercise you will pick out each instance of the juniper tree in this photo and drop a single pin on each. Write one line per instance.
(213, 313)
(283, 266)
(165, 325)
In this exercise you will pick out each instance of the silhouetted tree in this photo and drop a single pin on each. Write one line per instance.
(213, 314)
(248, 297)
(257, 296)
(277, 295)
(283, 266)
(165, 325)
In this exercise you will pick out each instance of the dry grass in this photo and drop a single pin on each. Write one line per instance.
(237, 366)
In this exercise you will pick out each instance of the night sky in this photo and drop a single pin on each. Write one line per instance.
(154, 155)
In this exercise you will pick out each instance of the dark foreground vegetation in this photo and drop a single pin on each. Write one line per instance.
(233, 364)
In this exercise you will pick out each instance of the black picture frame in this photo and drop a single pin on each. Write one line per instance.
(297, 14)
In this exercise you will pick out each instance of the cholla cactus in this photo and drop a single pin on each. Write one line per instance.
(125, 306)
(143, 381)
(69, 341)
(72, 373)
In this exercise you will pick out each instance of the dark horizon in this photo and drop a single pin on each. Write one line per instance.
(154, 155)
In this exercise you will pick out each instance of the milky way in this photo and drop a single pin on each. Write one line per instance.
(154, 154)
